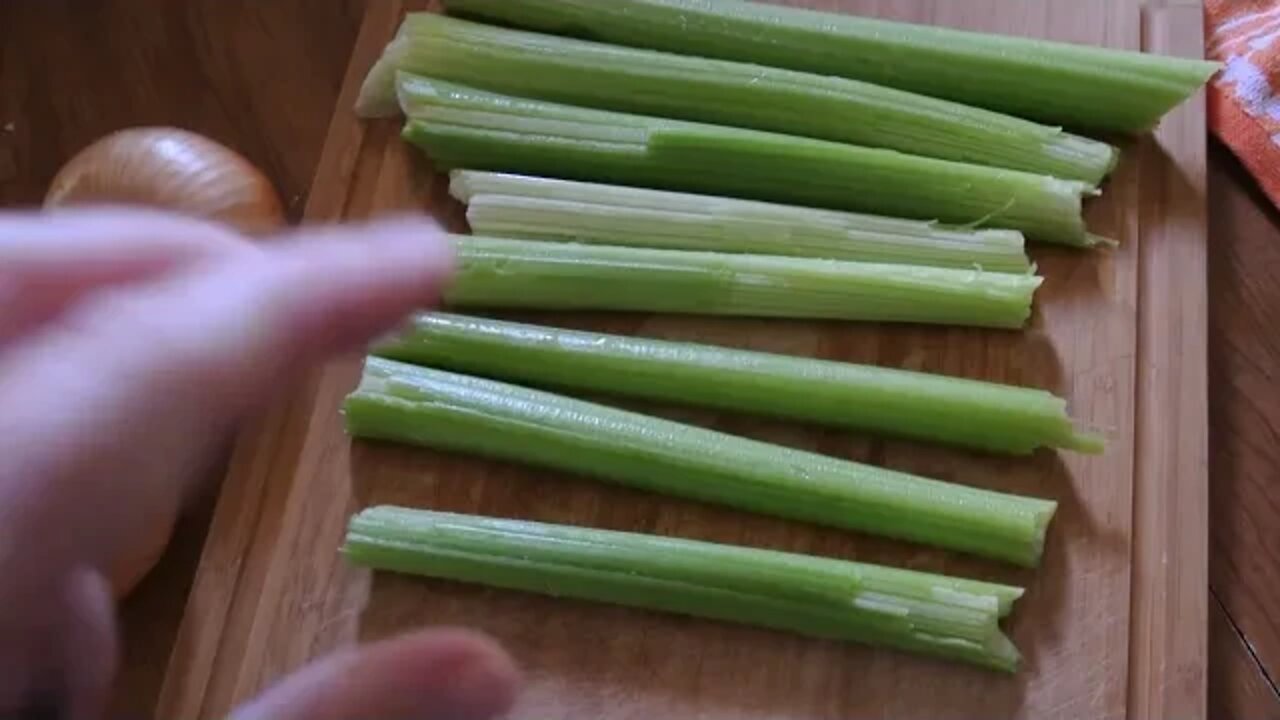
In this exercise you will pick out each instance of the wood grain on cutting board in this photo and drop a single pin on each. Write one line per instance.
(1110, 628)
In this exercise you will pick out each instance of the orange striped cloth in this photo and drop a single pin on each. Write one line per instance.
(1244, 98)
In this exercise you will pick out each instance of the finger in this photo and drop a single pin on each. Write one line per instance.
(228, 333)
(90, 645)
(108, 408)
(59, 663)
(430, 675)
(48, 260)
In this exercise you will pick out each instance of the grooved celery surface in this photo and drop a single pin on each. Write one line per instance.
(434, 408)
(1054, 82)
(495, 272)
(727, 93)
(536, 208)
(463, 127)
(933, 614)
(910, 404)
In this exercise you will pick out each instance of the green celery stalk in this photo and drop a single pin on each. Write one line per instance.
(1053, 82)
(822, 597)
(494, 272)
(970, 413)
(459, 127)
(438, 409)
(535, 208)
(612, 77)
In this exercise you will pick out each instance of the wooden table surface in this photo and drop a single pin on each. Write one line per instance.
(263, 76)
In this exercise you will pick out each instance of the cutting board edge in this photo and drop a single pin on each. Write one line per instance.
(1169, 600)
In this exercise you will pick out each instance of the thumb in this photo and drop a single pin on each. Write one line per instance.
(428, 675)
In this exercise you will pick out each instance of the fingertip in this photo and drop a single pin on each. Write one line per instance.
(484, 678)
(414, 243)
(437, 673)
(386, 270)
(397, 261)
(413, 226)
(419, 244)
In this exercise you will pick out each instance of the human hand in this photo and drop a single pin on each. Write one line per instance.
(130, 343)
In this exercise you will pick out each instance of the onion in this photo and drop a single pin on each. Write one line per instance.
(171, 169)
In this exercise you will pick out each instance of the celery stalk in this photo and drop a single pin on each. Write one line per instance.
(495, 272)
(535, 208)
(822, 597)
(434, 408)
(976, 414)
(1053, 82)
(458, 127)
(726, 93)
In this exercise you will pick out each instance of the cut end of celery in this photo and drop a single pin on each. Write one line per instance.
(377, 98)
(1041, 528)
(460, 185)
(1209, 68)
(1086, 442)
(998, 597)
(1113, 161)
(1192, 75)
(1093, 160)
(1006, 597)
(1099, 241)
(995, 652)
(1003, 653)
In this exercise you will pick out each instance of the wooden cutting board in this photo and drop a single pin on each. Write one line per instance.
(1113, 624)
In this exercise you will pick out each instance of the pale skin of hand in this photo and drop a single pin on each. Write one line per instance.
(130, 344)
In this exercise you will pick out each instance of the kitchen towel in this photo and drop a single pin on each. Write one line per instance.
(1243, 104)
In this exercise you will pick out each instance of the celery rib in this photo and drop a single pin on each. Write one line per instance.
(495, 272)
(462, 127)
(932, 614)
(535, 208)
(725, 93)
(434, 408)
(970, 413)
(1052, 82)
